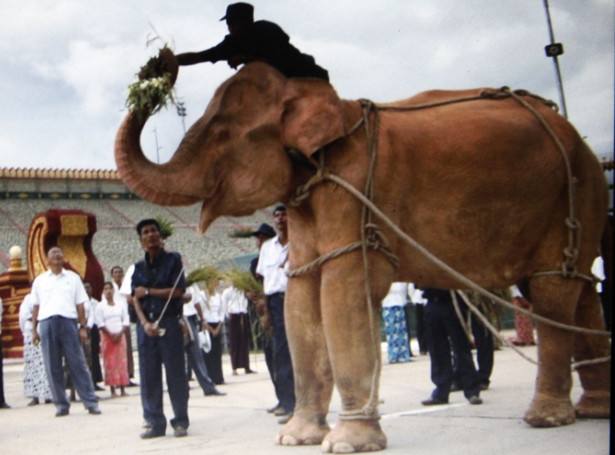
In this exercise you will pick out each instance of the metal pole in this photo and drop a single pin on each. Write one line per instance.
(157, 148)
(553, 50)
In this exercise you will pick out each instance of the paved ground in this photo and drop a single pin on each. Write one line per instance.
(238, 424)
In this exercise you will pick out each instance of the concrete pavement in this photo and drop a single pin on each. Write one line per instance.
(238, 424)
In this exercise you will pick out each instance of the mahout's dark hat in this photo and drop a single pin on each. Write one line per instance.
(237, 12)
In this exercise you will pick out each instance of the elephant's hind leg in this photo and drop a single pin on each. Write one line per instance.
(555, 298)
(596, 379)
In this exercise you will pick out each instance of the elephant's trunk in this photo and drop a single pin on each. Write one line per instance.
(166, 184)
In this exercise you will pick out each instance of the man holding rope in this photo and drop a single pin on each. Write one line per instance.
(158, 284)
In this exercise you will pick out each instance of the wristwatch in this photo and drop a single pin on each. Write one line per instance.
(146, 292)
(81, 326)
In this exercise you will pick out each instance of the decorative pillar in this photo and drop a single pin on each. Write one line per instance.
(14, 286)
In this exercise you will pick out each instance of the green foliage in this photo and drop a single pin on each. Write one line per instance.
(243, 280)
(206, 276)
(241, 233)
(166, 227)
(153, 88)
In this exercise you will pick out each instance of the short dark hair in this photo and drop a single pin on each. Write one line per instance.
(116, 267)
(279, 208)
(147, 222)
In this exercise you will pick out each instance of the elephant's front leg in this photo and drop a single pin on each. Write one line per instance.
(311, 366)
(353, 338)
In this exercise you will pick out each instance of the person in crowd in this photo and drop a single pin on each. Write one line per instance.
(250, 41)
(446, 332)
(58, 299)
(94, 363)
(158, 284)
(271, 266)
(262, 234)
(3, 403)
(393, 313)
(416, 296)
(121, 292)
(112, 319)
(193, 313)
(236, 308)
(524, 327)
(35, 381)
(213, 312)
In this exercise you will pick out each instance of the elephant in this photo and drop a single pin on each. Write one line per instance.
(480, 184)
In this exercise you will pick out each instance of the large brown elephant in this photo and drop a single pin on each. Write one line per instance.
(479, 183)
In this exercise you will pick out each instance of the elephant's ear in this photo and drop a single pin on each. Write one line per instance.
(312, 115)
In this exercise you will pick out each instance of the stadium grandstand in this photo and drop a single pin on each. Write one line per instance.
(25, 193)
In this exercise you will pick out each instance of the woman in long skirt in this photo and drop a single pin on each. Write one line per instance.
(113, 322)
(35, 381)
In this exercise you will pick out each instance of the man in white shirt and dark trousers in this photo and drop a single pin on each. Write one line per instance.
(58, 306)
(271, 266)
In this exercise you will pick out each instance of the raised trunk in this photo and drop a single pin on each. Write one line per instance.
(163, 184)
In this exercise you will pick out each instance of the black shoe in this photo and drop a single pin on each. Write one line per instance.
(180, 431)
(274, 408)
(62, 413)
(475, 399)
(433, 401)
(455, 387)
(215, 393)
(5, 406)
(484, 386)
(94, 411)
(98, 388)
(132, 384)
(151, 433)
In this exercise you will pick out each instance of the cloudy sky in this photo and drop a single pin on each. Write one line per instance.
(66, 63)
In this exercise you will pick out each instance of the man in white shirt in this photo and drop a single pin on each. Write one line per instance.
(271, 266)
(236, 306)
(58, 298)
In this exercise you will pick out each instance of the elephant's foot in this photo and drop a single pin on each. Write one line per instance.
(303, 431)
(350, 436)
(549, 411)
(594, 405)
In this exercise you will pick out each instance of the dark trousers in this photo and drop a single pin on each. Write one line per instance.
(421, 337)
(442, 324)
(95, 369)
(213, 358)
(484, 353)
(59, 336)
(196, 360)
(284, 379)
(239, 340)
(154, 352)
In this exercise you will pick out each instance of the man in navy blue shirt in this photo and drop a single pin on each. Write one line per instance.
(158, 284)
(250, 41)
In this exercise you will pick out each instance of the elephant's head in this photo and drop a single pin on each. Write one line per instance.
(234, 158)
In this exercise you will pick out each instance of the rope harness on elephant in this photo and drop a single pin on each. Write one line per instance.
(372, 237)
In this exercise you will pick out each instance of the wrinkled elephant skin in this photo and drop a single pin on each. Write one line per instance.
(480, 184)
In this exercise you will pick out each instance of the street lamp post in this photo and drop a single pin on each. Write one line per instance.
(554, 50)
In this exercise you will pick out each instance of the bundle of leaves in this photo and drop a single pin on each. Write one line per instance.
(243, 280)
(241, 233)
(166, 227)
(153, 88)
(206, 276)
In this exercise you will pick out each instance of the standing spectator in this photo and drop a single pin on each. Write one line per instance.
(3, 403)
(35, 381)
(236, 307)
(158, 280)
(444, 325)
(213, 312)
(524, 327)
(112, 318)
(262, 234)
(58, 306)
(194, 315)
(271, 266)
(94, 363)
(393, 305)
(416, 296)
(122, 293)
